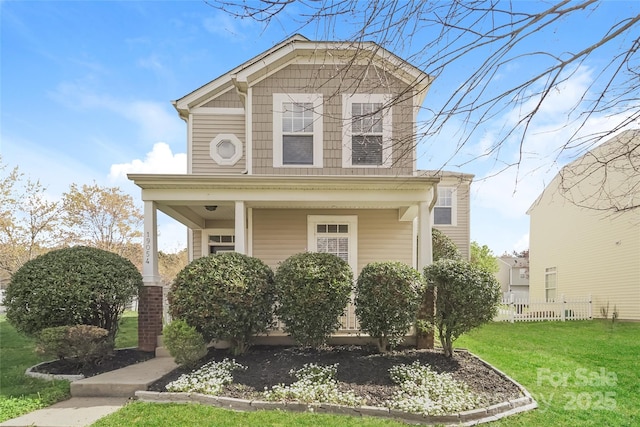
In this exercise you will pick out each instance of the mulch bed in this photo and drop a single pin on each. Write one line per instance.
(360, 369)
(118, 359)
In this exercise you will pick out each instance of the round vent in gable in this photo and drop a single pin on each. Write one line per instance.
(225, 149)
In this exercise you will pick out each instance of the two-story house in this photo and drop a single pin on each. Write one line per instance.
(585, 230)
(513, 275)
(310, 146)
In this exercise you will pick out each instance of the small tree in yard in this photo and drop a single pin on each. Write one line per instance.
(228, 296)
(443, 246)
(388, 295)
(71, 286)
(313, 291)
(466, 297)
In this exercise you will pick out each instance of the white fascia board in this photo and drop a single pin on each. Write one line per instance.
(323, 197)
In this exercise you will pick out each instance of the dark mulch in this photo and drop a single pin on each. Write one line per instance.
(119, 359)
(360, 369)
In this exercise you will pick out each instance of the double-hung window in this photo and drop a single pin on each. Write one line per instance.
(366, 130)
(550, 283)
(297, 130)
(335, 234)
(444, 212)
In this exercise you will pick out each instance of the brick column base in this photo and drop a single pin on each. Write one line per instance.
(149, 317)
(425, 339)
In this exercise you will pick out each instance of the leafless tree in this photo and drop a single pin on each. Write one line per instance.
(481, 41)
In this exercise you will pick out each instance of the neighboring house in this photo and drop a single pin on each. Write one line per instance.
(309, 146)
(513, 275)
(577, 246)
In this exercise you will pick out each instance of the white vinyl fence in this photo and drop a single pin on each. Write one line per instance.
(514, 309)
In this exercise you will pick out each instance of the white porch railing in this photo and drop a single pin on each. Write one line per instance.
(531, 310)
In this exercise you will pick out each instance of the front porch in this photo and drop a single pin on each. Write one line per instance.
(361, 219)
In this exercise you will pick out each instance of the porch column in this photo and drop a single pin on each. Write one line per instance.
(425, 245)
(240, 228)
(425, 339)
(150, 298)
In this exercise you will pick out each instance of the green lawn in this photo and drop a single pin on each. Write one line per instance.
(20, 394)
(577, 371)
(581, 373)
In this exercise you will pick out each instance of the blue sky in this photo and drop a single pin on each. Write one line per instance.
(86, 90)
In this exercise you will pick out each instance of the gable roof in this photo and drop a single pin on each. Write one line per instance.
(296, 46)
(617, 158)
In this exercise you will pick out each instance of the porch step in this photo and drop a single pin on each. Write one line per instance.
(124, 382)
(162, 352)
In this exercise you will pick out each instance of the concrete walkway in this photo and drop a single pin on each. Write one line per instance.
(95, 397)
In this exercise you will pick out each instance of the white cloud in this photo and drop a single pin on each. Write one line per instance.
(522, 243)
(156, 121)
(159, 160)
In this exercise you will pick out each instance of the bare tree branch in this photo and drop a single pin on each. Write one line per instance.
(481, 41)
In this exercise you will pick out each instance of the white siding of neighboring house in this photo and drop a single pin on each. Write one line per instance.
(595, 253)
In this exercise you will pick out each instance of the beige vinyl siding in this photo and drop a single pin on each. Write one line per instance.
(331, 83)
(460, 234)
(278, 234)
(197, 244)
(594, 253)
(229, 99)
(205, 128)
(381, 237)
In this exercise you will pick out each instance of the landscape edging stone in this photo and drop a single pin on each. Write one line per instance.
(465, 418)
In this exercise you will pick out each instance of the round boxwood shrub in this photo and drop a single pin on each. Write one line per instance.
(228, 296)
(388, 295)
(184, 343)
(72, 286)
(466, 296)
(313, 290)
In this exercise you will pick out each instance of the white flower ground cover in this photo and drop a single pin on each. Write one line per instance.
(422, 390)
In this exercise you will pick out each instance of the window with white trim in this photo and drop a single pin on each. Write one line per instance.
(225, 149)
(335, 234)
(297, 130)
(366, 136)
(218, 240)
(444, 212)
(550, 283)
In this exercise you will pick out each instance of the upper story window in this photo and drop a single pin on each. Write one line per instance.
(444, 212)
(297, 130)
(366, 140)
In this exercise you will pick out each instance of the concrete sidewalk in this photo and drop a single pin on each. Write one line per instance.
(75, 412)
(95, 397)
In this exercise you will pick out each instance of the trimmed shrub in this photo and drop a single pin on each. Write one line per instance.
(89, 344)
(443, 246)
(466, 296)
(313, 290)
(388, 295)
(184, 343)
(228, 296)
(71, 286)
